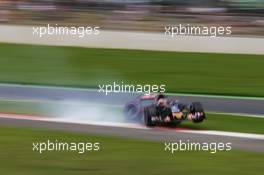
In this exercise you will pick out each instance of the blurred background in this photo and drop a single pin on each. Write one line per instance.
(245, 16)
(52, 91)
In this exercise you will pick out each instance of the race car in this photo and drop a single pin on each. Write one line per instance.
(157, 109)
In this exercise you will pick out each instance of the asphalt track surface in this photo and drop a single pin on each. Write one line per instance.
(42, 93)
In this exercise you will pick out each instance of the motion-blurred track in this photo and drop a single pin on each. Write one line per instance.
(252, 106)
(243, 105)
(248, 142)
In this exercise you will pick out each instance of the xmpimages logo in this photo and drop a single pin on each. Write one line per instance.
(79, 147)
(212, 31)
(211, 147)
(80, 31)
(131, 88)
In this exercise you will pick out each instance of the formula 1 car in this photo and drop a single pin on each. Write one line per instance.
(156, 109)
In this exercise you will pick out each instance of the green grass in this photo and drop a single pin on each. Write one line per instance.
(219, 122)
(116, 156)
(229, 74)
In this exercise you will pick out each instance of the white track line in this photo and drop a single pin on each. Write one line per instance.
(229, 134)
(236, 114)
(68, 120)
(134, 126)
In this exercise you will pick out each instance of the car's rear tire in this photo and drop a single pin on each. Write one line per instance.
(148, 113)
(131, 112)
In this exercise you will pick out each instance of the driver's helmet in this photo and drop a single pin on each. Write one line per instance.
(175, 108)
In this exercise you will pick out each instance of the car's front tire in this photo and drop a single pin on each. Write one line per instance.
(197, 107)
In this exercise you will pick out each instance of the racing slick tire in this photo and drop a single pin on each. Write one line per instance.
(132, 112)
(148, 113)
(198, 107)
